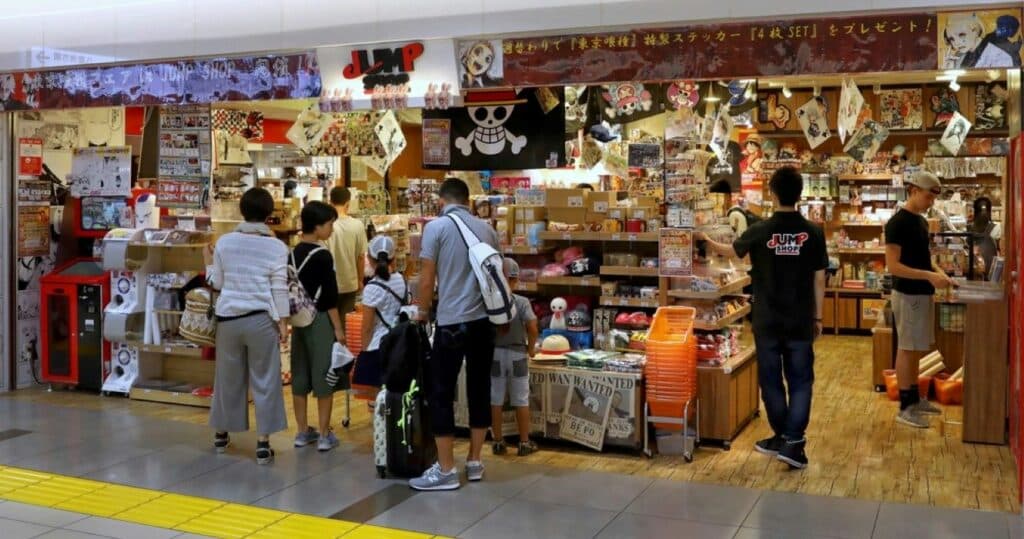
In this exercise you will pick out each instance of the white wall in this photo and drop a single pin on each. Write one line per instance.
(108, 30)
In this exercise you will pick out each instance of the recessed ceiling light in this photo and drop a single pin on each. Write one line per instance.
(786, 91)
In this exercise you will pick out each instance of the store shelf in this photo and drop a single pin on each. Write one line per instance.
(733, 363)
(861, 251)
(629, 271)
(723, 323)
(523, 250)
(732, 288)
(525, 287)
(865, 177)
(616, 301)
(863, 225)
(168, 397)
(600, 236)
(173, 349)
(590, 281)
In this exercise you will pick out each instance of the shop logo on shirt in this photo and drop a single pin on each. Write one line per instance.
(788, 244)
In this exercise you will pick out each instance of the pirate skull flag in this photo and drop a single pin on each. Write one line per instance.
(505, 130)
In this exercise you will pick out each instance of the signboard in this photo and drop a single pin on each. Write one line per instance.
(266, 77)
(675, 252)
(30, 157)
(860, 44)
(358, 69)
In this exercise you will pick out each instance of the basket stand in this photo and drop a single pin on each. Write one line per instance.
(691, 436)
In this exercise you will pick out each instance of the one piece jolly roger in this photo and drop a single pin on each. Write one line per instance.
(490, 110)
(502, 129)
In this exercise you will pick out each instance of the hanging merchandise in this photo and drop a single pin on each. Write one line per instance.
(721, 132)
(683, 94)
(812, 120)
(901, 109)
(505, 129)
(865, 143)
(309, 128)
(389, 133)
(576, 101)
(742, 95)
(753, 158)
(944, 104)
(990, 106)
(628, 102)
(851, 102)
(956, 133)
(770, 110)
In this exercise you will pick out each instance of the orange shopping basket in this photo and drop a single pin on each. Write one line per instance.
(670, 376)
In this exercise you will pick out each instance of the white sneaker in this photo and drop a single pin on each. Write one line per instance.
(474, 470)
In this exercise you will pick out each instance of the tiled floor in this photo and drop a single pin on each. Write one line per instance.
(514, 500)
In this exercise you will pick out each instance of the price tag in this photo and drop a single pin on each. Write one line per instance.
(167, 350)
(623, 301)
(616, 237)
(575, 202)
(601, 207)
(632, 237)
(566, 236)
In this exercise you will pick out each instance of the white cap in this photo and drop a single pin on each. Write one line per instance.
(925, 180)
(382, 244)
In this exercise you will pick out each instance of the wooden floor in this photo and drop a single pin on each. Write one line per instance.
(855, 448)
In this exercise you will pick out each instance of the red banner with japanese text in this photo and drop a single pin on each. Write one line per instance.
(876, 43)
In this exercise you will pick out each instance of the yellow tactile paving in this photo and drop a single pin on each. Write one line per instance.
(305, 527)
(183, 513)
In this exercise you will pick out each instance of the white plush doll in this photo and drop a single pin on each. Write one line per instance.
(558, 307)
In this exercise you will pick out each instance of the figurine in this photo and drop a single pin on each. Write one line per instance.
(558, 307)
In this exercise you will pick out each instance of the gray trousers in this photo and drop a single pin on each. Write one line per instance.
(248, 354)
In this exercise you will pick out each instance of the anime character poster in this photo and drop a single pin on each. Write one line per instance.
(865, 143)
(990, 106)
(944, 104)
(481, 64)
(901, 108)
(980, 39)
(813, 123)
(956, 133)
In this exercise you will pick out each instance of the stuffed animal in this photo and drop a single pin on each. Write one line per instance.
(558, 308)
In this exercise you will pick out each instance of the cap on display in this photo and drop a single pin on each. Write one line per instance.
(382, 244)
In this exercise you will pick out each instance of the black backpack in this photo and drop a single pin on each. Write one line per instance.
(404, 350)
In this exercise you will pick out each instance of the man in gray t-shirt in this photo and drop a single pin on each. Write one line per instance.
(464, 333)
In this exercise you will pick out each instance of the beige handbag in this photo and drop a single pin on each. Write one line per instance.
(198, 322)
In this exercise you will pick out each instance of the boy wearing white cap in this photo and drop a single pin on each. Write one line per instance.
(383, 298)
(915, 279)
(510, 369)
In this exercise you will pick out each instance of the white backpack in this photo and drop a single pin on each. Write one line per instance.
(489, 270)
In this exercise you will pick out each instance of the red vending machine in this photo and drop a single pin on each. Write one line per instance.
(71, 313)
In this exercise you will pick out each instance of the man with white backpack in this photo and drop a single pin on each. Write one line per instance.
(459, 253)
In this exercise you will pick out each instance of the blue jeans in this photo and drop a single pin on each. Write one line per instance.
(778, 357)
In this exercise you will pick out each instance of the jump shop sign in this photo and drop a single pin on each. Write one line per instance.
(357, 70)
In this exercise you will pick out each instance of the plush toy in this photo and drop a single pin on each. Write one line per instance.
(558, 307)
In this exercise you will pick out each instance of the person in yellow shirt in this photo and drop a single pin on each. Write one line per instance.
(348, 247)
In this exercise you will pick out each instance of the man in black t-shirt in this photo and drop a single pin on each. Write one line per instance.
(915, 278)
(788, 261)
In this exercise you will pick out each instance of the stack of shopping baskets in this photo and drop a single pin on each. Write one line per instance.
(671, 381)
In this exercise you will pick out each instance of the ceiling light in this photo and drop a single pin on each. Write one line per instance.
(954, 85)
(786, 91)
(954, 72)
(993, 74)
(877, 89)
(817, 90)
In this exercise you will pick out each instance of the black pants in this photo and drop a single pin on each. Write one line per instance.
(474, 343)
(780, 358)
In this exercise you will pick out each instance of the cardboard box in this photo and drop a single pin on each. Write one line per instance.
(601, 201)
(643, 213)
(566, 198)
(644, 201)
(523, 227)
(617, 213)
(571, 216)
(530, 213)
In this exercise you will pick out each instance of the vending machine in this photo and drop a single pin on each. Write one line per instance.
(71, 312)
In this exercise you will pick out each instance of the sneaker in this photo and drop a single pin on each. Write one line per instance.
(264, 454)
(912, 418)
(499, 448)
(792, 453)
(435, 479)
(328, 442)
(221, 441)
(303, 439)
(527, 448)
(474, 470)
(926, 408)
(769, 446)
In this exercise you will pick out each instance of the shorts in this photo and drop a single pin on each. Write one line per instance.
(914, 317)
(510, 368)
(311, 357)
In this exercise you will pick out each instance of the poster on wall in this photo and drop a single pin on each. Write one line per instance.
(481, 64)
(505, 129)
(437, 134)
(990, 106)
(586, 410)
(34, 192)
(813, 123)
(980, 39)
(955, 134)
(30, 157)
(186, 152)
(101, 172)
(27, 352)
(901, 109)
(675, 252)
(33, 231)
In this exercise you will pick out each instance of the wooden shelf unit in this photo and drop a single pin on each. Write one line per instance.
(522, 250)
(723, 323)
(629, 271)
(589, 281)
(729, 396)
(730, 289)
(616, 301)
(600, 236)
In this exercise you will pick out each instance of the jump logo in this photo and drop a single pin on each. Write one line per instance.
(788, 244)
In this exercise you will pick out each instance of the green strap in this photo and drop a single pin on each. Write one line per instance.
(407, 399)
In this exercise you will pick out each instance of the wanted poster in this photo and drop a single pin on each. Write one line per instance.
(812, 120)
(622, 419)
(586, 410)
(955, 135)
(186, 153)
(538, 387)
(559, 383)
(101, 172)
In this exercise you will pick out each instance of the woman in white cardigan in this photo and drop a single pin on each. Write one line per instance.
(249, 269)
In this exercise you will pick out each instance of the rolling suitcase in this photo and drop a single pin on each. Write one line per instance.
(403, 443)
